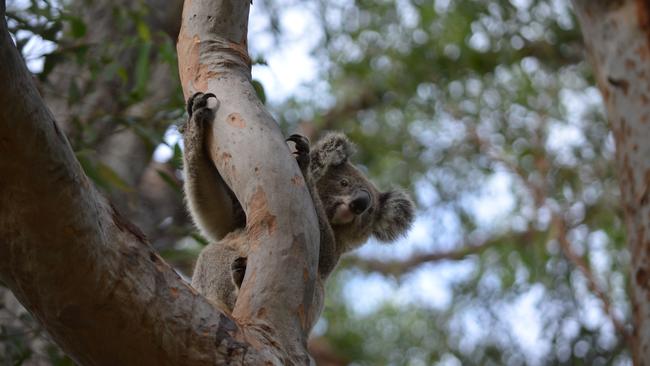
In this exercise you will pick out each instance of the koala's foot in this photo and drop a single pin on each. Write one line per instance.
(238, 268)
(197, 103)
(302, 152)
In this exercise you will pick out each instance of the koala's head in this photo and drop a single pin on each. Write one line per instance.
(356, 209)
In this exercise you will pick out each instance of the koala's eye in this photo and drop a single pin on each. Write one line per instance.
(344, 183)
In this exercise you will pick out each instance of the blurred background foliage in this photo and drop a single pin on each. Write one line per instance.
(485, 110)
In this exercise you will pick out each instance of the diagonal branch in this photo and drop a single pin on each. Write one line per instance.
(94, 281)
(89, 276)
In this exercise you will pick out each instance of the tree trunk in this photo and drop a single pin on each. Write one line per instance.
(251, 154)
(91, 278)
(617, 36)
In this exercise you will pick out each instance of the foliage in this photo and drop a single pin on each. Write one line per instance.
(485, 109)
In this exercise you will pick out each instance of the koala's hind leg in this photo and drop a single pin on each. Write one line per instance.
(212, 205)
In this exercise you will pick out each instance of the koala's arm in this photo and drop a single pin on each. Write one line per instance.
(213, 207)
(328, 256)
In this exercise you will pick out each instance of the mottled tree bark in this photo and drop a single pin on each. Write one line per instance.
(617, 36)
(92, 279)
(249, 151)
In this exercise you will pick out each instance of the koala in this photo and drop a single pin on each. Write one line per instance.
(349, 207)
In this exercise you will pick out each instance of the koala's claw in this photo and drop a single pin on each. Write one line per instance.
(198, 101)
(302, 151)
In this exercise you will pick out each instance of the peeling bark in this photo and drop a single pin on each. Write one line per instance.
(92, 279)
(617, 36)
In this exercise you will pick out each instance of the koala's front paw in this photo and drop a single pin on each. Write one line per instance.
(238, 268)
(197, 104)
(302, 151)
(198, 101)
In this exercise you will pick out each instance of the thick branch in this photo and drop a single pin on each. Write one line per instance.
(90, 277)
(249, 151)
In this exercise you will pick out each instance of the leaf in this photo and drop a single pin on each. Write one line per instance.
(259, 90)
(77, 26)
(171, 181)
(50, 60)
(143, 31)
(177, 159)
(109, 175)
(74, 94)
(142, 71)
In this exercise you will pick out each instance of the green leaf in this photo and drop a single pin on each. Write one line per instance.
(259, 89)
(171, 181)
(49, 61)
(143, 31)
(142, 71)
(77, 26)
(107, 174)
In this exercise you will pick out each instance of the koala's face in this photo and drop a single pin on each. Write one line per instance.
(350, 202)
(355, 208)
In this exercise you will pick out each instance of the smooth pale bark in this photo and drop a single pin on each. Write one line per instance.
(249, 151)
(617, 36)
(92, 279)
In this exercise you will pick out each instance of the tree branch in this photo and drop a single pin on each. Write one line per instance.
(246, 145)
(584, 268)
(399, 268)
(88, 275)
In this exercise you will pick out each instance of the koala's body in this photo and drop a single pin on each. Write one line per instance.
(349, 207)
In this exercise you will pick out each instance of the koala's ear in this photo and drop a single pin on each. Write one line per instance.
(332, 150)
(395, 215)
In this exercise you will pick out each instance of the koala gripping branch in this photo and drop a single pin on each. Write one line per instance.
(250, 153)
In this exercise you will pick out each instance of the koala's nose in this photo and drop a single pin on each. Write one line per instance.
(360, 202)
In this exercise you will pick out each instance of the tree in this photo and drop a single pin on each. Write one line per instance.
(616, 35)
(466, 101)
(97, 309)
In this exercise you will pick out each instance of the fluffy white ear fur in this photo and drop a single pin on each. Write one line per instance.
(332, 150)
(395, 216)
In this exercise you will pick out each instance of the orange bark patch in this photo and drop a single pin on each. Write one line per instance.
(235, 120)
(305, 274)
(302, 316)
(297, 180)
(174, 292)
(261, 313)
(226, 157)
(261, 219)
(643, 14)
